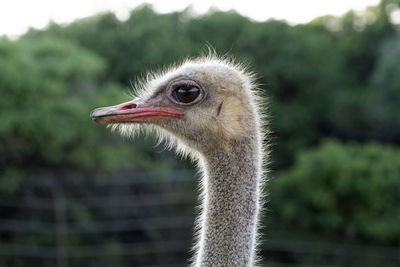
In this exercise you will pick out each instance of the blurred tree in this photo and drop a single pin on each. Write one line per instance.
(147, 40)
(44, 85)
(346, 189)
(385, 108)
(48, 89)
(331, 59)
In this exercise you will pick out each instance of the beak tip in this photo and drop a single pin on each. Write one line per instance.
(97, 120)
(96, 113)
(95, 116)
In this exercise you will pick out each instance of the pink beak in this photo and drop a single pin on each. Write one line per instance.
(133, 111)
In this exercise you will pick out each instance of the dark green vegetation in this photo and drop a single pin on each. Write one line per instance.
(333, 87)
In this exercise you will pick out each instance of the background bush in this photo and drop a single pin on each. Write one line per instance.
(351, 190)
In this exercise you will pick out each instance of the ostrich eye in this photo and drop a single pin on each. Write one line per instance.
(186, 94)
(185, 91)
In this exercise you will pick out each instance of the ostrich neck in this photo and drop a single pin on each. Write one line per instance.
(230, 205)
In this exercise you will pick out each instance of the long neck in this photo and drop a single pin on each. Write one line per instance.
(230, 205)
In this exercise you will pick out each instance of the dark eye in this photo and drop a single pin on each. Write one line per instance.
(186, 94)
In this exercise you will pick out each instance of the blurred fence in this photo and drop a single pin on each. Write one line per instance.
(134, 219)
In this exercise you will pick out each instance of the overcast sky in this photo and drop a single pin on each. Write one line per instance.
(16, 16)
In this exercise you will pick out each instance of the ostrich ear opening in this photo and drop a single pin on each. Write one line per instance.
(134, 111)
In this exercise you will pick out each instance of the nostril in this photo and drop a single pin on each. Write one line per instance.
(129, 106)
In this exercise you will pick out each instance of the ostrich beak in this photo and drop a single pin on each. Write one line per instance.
(135, 111)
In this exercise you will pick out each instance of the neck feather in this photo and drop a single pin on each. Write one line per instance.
(230, 205)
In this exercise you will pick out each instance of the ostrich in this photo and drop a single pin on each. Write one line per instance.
(207, 109)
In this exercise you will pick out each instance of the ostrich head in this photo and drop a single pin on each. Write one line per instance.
(201, 104)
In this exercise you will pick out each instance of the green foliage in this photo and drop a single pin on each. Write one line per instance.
(45, 85)
(146, 39)
(348, 189)
(331, 60)
(385, 108)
